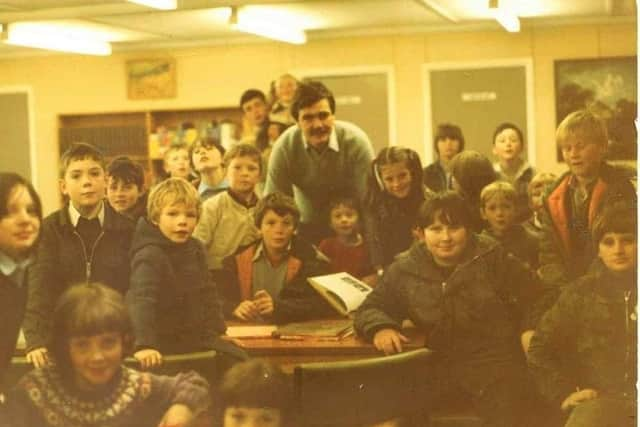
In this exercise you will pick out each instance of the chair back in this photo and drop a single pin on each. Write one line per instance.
(203, 362)
(361, 392)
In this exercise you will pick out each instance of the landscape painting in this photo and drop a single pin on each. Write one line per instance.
(607, 86)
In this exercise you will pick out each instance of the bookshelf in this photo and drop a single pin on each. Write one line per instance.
(141, 135)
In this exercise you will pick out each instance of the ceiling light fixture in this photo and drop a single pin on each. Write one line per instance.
(265, 27)
(507, 18)
(41, 36)
(158, 4)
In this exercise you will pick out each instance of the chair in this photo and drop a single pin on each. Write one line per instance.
(203, 362)
(363, 392)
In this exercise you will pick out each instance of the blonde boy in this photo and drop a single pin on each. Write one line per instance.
(176, 161)
(567, 249)
(84, 241)
(227, 218)
(173, 303)
(498, 208)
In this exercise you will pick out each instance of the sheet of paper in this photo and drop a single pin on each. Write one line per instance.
(250, 331)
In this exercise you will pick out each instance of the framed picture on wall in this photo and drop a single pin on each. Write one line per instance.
(151, 78)
(607, 86)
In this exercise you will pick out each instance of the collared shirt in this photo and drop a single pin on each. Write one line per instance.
(581, 194)
(333, 141)
(74, 215)
(14, 270)
(265, 276)
(580, 233)
(205, 190)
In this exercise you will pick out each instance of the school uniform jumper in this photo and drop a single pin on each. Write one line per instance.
(354, 259)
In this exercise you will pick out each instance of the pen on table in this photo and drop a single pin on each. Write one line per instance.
(348, 333)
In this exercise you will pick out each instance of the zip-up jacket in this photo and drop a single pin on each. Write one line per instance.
(297, 299)
(63, 259)
(588, 339)
(556, 264)
(173, 302)
(472, 319)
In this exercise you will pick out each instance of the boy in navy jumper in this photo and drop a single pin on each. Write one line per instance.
(172, 301)
(85, 241)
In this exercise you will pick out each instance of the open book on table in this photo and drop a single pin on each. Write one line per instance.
(343, 291)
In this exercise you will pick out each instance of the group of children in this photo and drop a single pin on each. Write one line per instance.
(200, 253)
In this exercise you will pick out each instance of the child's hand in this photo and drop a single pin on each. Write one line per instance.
(39, 357)
(176, 416)
(389, 341)
(578, 397)
(148, 358)
(371, 279)
(247, 310)
(264, 302)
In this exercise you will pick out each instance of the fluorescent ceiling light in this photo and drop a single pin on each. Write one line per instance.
(267, 26)
(158, 4)
(508, 19)
(43, 36)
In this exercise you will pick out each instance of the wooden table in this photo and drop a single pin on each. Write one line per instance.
(288, 353)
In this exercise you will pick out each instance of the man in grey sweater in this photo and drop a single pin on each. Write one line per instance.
(318, 158)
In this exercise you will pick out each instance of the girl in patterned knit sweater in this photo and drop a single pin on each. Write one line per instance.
(88, 385)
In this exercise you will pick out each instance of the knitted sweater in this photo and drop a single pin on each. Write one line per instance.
(133, 399)
(224, 226)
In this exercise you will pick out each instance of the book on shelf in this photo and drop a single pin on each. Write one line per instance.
(343, 291)
(324, 328)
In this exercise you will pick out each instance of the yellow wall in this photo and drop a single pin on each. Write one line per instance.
(216, 75)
